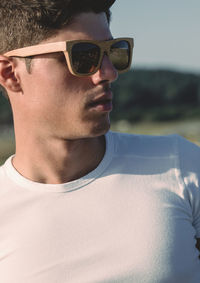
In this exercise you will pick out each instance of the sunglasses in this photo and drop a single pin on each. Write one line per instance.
(84, 57)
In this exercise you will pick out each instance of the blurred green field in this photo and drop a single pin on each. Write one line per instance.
(189, 129)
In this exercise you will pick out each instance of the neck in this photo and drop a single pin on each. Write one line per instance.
(53, 161)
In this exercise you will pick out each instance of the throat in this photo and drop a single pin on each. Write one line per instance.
(57, 164)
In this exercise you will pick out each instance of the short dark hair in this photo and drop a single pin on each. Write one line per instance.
(28, 22)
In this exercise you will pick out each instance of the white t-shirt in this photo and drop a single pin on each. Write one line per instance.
(135, 218)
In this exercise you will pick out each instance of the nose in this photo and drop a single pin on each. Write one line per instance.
(106, 72)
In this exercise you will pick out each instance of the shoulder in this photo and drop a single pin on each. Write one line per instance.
(189, 162)
(2, 178)
(3, 174)
(189, 153)
(152, 146)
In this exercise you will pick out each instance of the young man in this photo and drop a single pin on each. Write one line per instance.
(78, 203)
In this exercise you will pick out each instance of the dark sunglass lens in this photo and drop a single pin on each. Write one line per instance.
(85, 57)
(120, 55)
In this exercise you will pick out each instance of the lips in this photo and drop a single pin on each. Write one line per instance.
(103, 103)
(100, 101)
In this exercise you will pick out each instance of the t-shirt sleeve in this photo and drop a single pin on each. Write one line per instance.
(189, 156)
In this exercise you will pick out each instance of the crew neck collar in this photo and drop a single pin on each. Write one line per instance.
(21, 181)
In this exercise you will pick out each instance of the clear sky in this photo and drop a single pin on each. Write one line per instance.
(166, 32)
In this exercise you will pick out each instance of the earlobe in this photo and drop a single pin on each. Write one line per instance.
(8, 77)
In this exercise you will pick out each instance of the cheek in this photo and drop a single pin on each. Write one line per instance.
(52, 88)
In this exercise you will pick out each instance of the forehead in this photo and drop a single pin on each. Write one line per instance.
(90, 26)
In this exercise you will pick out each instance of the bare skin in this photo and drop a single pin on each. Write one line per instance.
(59, 133)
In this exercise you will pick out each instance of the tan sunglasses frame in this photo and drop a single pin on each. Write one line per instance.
(66, 48)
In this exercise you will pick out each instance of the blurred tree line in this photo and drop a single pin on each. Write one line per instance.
(5, 110)
(157, 95)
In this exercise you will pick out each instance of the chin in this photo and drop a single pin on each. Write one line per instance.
(90, 128)
(100, 129)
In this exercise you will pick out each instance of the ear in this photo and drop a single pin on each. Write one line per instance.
(8, 77)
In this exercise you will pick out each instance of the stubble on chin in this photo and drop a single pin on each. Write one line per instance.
(97, 124)
(101, 129)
